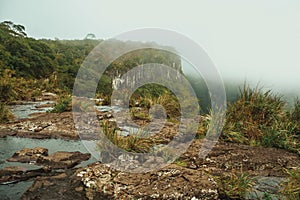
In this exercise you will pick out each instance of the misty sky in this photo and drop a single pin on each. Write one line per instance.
(257, 40)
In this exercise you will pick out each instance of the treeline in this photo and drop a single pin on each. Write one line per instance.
(55, 62)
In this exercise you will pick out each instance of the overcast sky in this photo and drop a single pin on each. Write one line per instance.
(257, 40)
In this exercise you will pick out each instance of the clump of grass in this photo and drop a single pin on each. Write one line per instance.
(131, 143)
(261, 118)
(64, 104)
(139, 114)
(291, 187)
(294, 116)
(254, 112)
(234, 186)
(5, 114)
(168, 100)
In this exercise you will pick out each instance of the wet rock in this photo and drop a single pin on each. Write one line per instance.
(28, 155)
(48, 96)
(46, 105)
(266, 187)
(61, 186)
(15, 174)
(42, 126)
(63, 160)
(58, 160)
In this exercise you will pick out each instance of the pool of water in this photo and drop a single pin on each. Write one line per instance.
(25, 110)
(9, 145)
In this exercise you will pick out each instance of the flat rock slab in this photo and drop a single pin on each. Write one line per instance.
(27, 155)
(98, 181)
(57, 160)
(63, 160)
(14, 174)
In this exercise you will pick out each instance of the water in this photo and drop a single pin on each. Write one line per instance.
(14, 191)
(9, 145)
(25, 110)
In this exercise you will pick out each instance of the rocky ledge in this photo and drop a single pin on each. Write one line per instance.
(39, 156)
(188, 178)
(57, 160)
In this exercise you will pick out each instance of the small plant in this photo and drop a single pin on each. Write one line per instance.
(132, 142)
(235, 186)
(63, 104)
(181, 163)
(291, 187)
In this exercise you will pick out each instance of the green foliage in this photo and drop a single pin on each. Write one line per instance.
(200, 88)
(7, 91)
(234, 186)
(131, 143)
(5, 114)
(291, 187)
(64, 104)
(148, 96)
(33, 59)
(18, 88)
(30, 58)
(181, 163)
(254, 112)
(260, 118)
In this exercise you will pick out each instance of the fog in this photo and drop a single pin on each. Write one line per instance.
(257, 41)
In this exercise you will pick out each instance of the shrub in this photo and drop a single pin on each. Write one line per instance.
(64, 104)
(167, 100)
(260, 118)
(5, 114)
(132, 143)
(254, 112)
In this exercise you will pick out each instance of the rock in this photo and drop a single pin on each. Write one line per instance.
(14, 174)
(42, 126)
(61, 186)
(48, 96)
(63, 160)
(28, 155)
(79, 189)
(58, 160)
(266, 186)
(47, 105)
(172, 182)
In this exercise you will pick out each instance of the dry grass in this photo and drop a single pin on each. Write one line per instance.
(291, 187)
(132, 143)
(234, 186)
(261, 118)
